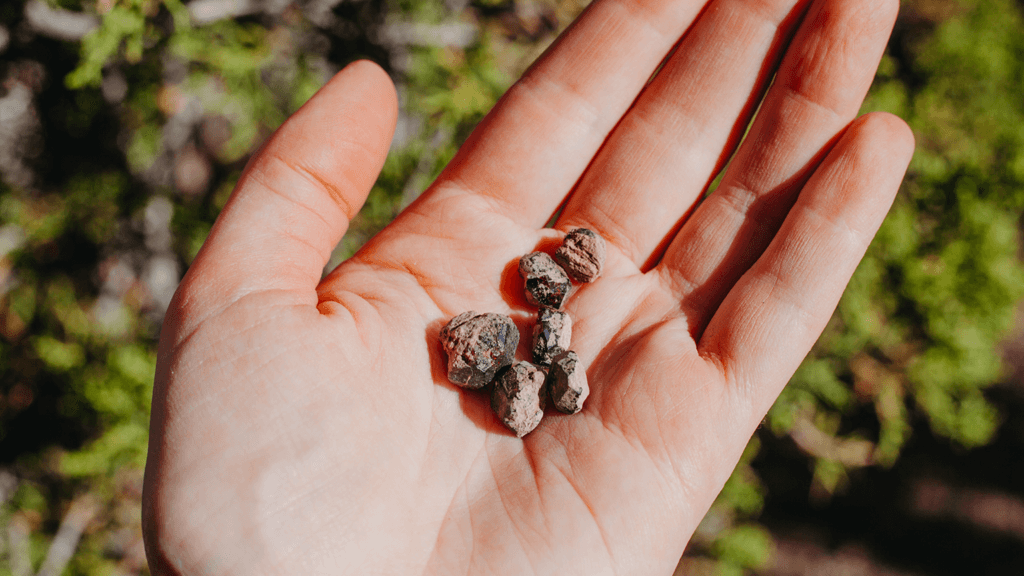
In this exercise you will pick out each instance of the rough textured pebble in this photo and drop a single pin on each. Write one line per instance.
(568, 382)
(547, 285)
(519, 397)
(551, 335)
(478, 345)
(582, 254)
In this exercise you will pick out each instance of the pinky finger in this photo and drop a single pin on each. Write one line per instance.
(776, 311)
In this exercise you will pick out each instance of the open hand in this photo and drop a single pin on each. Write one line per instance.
(306, 426)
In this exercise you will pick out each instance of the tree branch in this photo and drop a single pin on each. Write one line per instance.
(83, 509)
(58, 23)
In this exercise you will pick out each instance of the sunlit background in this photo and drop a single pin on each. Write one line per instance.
(898, 448)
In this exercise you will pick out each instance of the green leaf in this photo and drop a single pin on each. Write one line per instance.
(745, 546)
(57, 355)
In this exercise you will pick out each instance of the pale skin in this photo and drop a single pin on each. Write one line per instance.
(306, 426)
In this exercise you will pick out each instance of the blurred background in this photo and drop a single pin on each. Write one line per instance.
(896, 449)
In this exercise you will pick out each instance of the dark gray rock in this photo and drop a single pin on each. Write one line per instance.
(582, 254)
(478, 345)
(519, 396)
(547, 285)
(551, 335)
(568, 382)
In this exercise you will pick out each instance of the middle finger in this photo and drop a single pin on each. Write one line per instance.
(684, 126)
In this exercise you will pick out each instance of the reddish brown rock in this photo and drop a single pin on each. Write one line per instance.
(478, 345)
(547, 285)
(568, 382)
(551, 335)
(519, 397)
(582, 254)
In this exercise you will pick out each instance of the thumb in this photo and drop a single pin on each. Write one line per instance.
(296, 197)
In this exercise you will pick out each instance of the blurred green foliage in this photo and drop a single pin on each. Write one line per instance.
(156, 108)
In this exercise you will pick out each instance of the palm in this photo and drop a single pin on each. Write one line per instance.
(306, 426)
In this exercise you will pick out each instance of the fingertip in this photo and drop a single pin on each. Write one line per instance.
(890, 132)
(373, 76)
(365, 89)
(340, 138)
(861, 176)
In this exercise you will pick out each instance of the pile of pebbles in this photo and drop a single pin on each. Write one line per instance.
(481, 347)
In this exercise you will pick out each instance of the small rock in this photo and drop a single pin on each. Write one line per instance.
(568, 382)
(519, 397)
(551, 335)
(547, 284)
(478, 345)
(582, 254)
